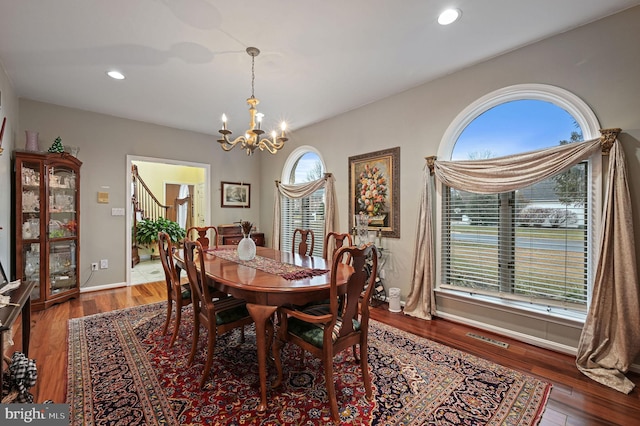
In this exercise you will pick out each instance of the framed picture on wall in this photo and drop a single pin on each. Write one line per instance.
(373, 190)
(235, 194)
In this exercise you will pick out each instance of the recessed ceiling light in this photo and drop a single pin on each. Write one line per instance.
(116, 75)
(449, 16)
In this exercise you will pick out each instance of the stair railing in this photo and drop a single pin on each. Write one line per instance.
(145, 206)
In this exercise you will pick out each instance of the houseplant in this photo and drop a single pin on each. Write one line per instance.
(147, 232)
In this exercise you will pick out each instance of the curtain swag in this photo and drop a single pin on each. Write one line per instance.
(610, 339)
(301, 191)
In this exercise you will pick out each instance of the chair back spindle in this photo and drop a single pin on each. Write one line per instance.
(207, 236)
(303, 248)
(334, 241)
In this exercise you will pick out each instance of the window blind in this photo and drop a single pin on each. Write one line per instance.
(531, 244)
(304, 213)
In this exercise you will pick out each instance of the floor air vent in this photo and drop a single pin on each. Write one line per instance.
(488, 340)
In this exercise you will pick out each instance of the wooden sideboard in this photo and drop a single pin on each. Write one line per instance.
(232, 234)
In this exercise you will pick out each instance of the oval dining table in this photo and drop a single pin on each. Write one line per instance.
(265, 291)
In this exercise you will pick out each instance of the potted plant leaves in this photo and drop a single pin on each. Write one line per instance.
(147, 232)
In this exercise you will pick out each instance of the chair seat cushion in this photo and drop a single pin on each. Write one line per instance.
(185, 292)
(231, 315)
(314, 332)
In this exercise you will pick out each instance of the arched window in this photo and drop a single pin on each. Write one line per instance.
(303, 165)
(533, 244)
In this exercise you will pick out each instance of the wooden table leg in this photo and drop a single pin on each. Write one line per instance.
(261, 315)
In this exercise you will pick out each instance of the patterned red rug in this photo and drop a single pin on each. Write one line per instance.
(122, 373)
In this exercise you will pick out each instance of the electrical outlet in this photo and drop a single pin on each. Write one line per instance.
(94, 266)
(104, 264)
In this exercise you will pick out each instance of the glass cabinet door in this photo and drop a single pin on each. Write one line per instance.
(62, 266)
(62, 230)
(62, 203)
(31, 266)
(31, 222)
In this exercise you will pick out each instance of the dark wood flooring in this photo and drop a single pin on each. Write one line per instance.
(574, 400)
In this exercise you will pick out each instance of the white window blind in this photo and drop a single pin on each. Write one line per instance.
(304, 213)
(531, 244)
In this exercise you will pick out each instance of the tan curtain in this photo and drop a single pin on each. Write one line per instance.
(300, 191)
(512, 172)
(421, 300)
(610, 339)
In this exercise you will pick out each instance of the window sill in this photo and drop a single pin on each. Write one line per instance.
(555, 315)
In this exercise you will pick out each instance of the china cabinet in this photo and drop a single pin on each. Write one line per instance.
(47, 203)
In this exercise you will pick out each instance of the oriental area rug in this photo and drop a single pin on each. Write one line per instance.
(122, 372)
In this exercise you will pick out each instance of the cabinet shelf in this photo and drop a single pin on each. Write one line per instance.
(47, 200)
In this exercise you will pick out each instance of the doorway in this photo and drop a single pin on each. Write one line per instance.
(163, 176)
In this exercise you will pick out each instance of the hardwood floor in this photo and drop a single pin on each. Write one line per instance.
(574, 400)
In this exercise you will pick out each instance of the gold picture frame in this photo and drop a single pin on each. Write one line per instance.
(374, 179)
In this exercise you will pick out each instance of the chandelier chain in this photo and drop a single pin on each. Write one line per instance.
(253, 74)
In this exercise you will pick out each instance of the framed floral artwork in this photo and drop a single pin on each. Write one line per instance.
(235, 194)
(373, 190)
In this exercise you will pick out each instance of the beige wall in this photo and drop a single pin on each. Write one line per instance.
(598, 62)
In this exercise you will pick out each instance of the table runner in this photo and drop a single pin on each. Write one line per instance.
(285, 270)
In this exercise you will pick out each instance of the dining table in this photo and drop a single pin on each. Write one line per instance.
(272, 279)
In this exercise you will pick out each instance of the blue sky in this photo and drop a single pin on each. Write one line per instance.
(305, 164)
(515, 127)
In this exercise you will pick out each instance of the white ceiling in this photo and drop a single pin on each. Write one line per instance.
(186, 64)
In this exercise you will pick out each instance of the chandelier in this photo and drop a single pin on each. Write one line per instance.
(251, 138)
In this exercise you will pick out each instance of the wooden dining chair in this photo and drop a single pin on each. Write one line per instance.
(217, 315)
(303, 248)
(333, 241)
(180, 294)
(207, 236)
(326, 330)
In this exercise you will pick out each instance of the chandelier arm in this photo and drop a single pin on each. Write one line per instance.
(271, 146)
(266, 144)
(228, 145)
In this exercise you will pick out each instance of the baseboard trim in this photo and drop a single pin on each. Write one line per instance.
(535, 341)
(102, 287)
